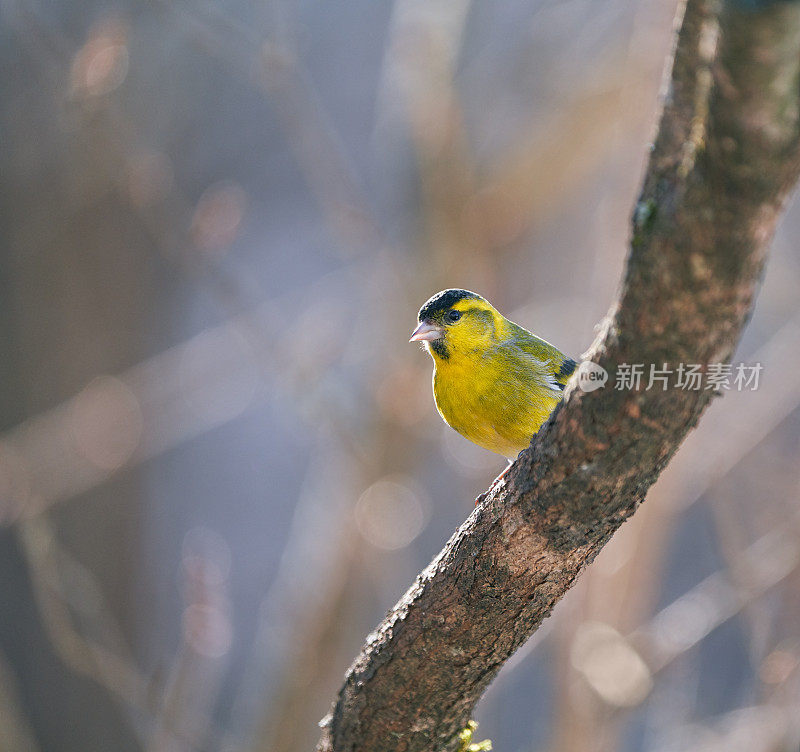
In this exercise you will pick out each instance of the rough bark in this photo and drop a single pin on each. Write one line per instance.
(725, 157)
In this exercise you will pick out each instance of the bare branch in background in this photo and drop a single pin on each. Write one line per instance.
(762, 728)
(85, 636)
(56, 589)
(686, 621)
(273, 65)
(723, 163)
(15, 733)
(184, 721)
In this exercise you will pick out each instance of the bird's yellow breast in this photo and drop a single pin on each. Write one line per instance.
(498, 399)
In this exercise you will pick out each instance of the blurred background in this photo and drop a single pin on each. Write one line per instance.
(220, 462)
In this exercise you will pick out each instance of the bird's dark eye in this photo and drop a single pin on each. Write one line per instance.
(453, 316)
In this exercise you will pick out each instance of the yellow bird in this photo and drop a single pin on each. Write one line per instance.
(493, 381)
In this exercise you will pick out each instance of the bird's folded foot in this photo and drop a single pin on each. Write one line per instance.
(503, 474)
(500, 477)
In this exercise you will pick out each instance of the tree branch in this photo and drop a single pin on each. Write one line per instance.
(724, 160)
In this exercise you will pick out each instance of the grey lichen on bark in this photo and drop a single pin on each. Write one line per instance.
(724, 160)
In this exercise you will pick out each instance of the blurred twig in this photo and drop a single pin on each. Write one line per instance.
(273, 65)
(15, 732)
(762, 728)
(687, 620)
(186, 707)
(91, 645)
(53, 592)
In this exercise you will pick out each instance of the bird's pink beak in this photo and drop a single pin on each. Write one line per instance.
(426, 333)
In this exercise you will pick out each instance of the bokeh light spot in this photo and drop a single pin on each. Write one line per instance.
(610, 664)
(778, 666)
(101, 65)
(207, 629)
(217, 217)
(206, 559)
(106, 422)
(390, 514)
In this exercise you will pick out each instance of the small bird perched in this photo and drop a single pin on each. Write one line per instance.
(493, 381)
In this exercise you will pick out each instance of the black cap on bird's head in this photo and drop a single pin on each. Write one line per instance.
(443, 301)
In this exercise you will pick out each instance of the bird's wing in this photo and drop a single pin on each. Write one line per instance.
(557, 366)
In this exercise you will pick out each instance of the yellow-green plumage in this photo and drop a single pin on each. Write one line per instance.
(493, 381)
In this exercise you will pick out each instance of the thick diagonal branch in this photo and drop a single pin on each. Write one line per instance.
(724, 160)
